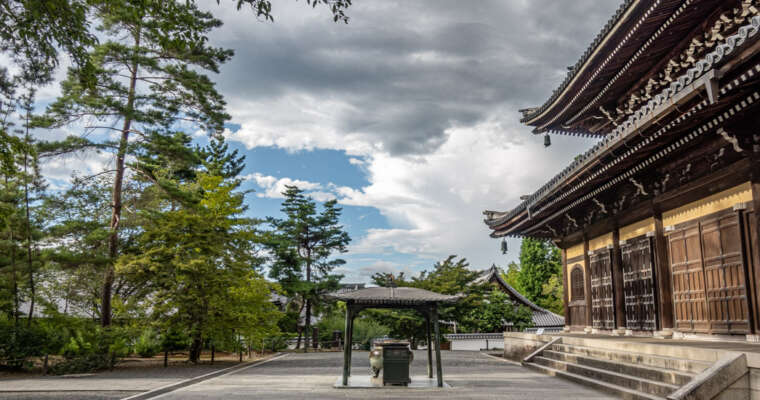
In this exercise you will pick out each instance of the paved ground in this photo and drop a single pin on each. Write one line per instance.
(129, 379)
(472, 375)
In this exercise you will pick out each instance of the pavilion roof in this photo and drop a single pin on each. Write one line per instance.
(394, 296)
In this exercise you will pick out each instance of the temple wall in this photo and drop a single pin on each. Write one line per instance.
(600, 241)
(637, 229)
(708, 205)
(573, 252)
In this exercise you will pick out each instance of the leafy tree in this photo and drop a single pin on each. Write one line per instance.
(302, 245)
(148, 74)
(539, 261)
(199, 260)
(497, 310)
(449, 276)
(512, 276)
(31, 34)
(552, 294)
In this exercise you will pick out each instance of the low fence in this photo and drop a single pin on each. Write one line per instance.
(476, 341)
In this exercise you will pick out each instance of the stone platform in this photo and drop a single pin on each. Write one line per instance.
(368, 382)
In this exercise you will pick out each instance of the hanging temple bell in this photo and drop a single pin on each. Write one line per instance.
(504, 246)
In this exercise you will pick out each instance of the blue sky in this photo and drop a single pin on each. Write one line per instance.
(407, 116)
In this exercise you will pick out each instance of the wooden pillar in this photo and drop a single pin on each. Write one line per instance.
(429, 345)
(587, 279)
(662, 272)
(617, 280)
(753, 268)
(347, 346)
(565, 291)
(438, 369)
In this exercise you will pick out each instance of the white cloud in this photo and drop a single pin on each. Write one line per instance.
(434, 202)
(273, 187)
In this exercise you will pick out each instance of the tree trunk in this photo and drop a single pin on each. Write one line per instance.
(113, 241)
(298, 343)
(307, 323)
(307, 327)
(32, 292)
(14, 282)
(196, 347)
(213, 353)
(166, 358)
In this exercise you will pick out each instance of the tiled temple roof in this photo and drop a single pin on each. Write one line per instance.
(746, 34)
(541, 316)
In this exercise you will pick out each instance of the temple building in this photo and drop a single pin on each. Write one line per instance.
(658, 221)
(542, 318)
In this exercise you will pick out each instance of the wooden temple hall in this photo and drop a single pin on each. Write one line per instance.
(658, 221)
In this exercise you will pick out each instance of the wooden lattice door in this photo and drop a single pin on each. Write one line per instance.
(577, 303)
(689, 303)
(602, 298)
(639, 284)
(725, 279)
(709, 277)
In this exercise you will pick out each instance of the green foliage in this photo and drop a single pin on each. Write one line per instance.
(365, 329)
(552, 294)
(198, 262)
(148, 344)
(186, 257)
(498, 310)
(511, 276)
(539, 261)
(302, 245)
(20, 343)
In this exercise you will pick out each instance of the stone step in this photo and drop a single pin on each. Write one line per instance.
(613, 378)
(623, 392)
(678, 364)
(670, 376)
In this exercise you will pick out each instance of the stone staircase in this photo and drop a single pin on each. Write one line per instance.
(627, 373)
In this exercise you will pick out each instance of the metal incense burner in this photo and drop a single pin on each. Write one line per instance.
(393, 358)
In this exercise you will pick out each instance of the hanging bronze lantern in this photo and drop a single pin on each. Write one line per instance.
(547, 140)
(504, 246)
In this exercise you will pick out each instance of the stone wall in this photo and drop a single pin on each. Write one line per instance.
(517, 345)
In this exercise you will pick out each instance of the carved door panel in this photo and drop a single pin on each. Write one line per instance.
(689, 303)
(577, 303)
(752, 246)
(602, 299)
(639, 284)
(725, 279)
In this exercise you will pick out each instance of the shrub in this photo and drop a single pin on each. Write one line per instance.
(148, 344)
(18, 344)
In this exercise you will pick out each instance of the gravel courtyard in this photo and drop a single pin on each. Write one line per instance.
(472, 375)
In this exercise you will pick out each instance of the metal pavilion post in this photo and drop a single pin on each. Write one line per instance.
(347, 346)
(438, 369)
(429, 345)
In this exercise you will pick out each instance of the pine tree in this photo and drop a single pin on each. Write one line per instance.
(219, 161)
(147, 78)
(302, 244)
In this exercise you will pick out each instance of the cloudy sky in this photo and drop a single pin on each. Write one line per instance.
(407, 115)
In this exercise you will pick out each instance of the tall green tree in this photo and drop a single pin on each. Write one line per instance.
(540, 260)
(200, 264)
(149, 73)
(31, 34)
(303, 244)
